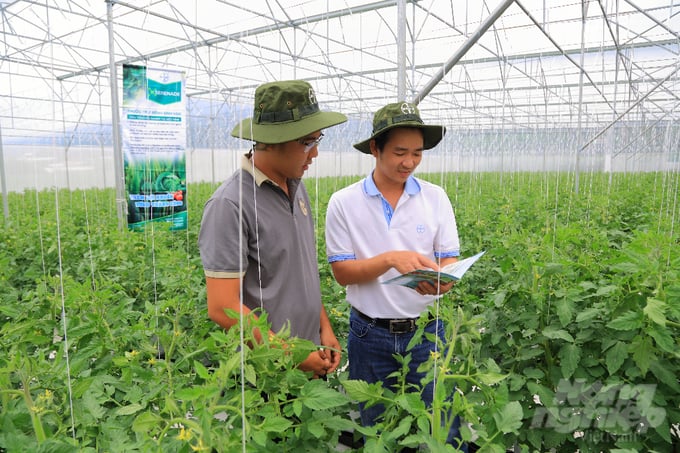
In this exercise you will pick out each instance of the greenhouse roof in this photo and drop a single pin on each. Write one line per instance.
(469, 63)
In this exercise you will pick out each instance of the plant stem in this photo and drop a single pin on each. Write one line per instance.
(35, 417)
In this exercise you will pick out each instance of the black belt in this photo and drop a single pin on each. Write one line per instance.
(399, 325)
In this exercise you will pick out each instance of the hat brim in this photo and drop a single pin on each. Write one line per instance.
(432, 135)
(272, 133)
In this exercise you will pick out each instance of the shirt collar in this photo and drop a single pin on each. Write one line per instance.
(412, 186)
(248, 165)
(259, 177)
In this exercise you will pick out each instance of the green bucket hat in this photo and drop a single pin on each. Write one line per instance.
(285, 111)
(401, 114)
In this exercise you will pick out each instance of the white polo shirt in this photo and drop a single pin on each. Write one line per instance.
(361, 224)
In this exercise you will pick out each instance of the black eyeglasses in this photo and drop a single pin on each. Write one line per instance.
(310, 143)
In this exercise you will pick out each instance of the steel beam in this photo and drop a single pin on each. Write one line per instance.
(228, 37)
(467, 45)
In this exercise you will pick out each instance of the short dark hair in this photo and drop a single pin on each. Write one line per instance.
(381, 139)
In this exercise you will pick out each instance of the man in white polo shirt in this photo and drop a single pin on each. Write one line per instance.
(388, 224)
(257, 231)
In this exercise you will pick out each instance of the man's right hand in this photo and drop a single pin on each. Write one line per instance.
(318, 362)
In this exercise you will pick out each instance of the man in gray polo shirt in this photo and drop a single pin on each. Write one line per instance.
(257, 228)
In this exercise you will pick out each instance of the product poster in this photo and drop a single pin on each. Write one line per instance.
(153, 129)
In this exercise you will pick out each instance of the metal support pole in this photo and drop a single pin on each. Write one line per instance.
(5, 204)
(401, 50)
(584, 12)
(467, 45)
(119, 172)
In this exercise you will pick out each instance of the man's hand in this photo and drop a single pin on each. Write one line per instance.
(317, 362)
(330, 346)
(333, 353)
(433, 288)
(406, 261)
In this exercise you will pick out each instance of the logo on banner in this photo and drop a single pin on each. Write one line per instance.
(164, 93)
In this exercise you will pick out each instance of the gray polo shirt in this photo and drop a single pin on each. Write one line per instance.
(277, 259)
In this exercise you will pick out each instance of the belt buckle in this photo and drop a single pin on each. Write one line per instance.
(402, 325)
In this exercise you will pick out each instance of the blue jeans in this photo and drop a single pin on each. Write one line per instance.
(370, 349)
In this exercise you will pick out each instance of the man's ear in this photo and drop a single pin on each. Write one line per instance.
(374, 148)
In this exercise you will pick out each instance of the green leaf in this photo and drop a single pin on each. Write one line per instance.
(569, 355)
(146, 422)
(411, 402)
(338, 423)
(663, 338)
(297, 407)
(490, 378)
(662, 372)
(627, 321)
(530, 352)
(260, 437)
(129, 409)
(643, 353)
(555, 334)
(315, 428)
(232, 363)
(588, 314)
(655, 310)
(565, 311)
(317, 395)
(170, 405)
(553, 269)
(402, 428)
(362, 391)
(423, 423)
(492, 448)
(626, 268)
(201, 370)
(509, 418)
(533, 373)
(135, 394)
(615, 357)
(664, 430)
(499, 298)
(190, 394)
(250, 374)
(93, 406)
(276, 424)
(606, 290)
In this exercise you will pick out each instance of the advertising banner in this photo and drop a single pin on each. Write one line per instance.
(153, 129)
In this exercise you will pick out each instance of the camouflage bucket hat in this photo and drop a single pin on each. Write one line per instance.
(285, 111)
(401, 114)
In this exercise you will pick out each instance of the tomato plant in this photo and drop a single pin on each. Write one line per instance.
(564, 336)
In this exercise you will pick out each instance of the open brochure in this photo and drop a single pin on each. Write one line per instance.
(448, 273)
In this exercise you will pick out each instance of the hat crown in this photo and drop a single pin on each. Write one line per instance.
(284, 111)
(284, 101)
(394, 114)
(401, 114)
